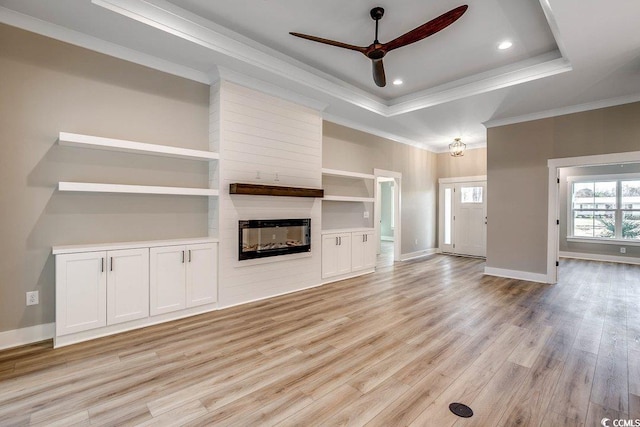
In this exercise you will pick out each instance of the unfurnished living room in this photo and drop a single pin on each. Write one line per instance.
(311, 213)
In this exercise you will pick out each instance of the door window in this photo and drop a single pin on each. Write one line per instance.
(471, 194)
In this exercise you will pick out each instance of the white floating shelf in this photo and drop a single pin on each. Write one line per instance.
(110, 144)
(347, 174)
(135, 189)
(348, 199)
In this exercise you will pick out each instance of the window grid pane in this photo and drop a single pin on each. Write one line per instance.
(631, 225)
(594, 224)
(471, 195)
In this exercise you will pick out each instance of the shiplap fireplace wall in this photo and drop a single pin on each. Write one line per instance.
(263, 139)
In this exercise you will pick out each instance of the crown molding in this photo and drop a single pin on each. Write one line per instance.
(266, 58)
(530, 69)
(553, 26)
(34, 25)
(188, 26)
(579, 108)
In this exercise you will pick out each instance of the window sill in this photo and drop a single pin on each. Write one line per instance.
(618, 242)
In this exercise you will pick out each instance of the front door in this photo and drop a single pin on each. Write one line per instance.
(463, 218)
(470, 229)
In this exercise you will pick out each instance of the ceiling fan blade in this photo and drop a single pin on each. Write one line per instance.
(428, 29)
(330, 42)
(378, 73)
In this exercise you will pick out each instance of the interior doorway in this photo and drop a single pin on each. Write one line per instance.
(387, 215)
(387, 211)
(463, 216)
(554, 202)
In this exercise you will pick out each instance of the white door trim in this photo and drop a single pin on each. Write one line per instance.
(552, 227)
(450, 182)
(397, 206)
(462, 179)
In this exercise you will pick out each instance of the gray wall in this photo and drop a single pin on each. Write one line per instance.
(48, 86)
(352, 150)
(565, 199)
(386, 208)
(517, 176)
(473, 163)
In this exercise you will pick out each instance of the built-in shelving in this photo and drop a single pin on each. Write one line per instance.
(347, 174)
(348, 199)
(90, 187)
(110, 144)
(352, 175)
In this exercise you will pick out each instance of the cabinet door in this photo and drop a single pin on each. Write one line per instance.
(127, 285)
(167, 279)
(81, 292)
(358, 251)
(344, 253)
(369, 250)
(329, 255)
(202, 274)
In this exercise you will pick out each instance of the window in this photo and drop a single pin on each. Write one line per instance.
(605, 208)
(447, 215)
(471, 194)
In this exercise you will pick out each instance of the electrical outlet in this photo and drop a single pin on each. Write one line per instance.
(623, 250)
(366, 214)
(33, 298)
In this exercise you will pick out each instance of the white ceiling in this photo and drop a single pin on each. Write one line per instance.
(566, 53)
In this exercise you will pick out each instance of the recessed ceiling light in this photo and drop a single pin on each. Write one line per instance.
(397, 82)
(505, 45)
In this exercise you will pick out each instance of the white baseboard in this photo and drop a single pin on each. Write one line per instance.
(347, 276)
(516, 274)
(386, 238)
(418, 254)
(600, 257)
(18, 337)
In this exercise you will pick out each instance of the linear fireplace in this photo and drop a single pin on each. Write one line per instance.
(273, 237)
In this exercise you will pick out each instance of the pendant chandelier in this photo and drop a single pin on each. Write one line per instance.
(456, 149)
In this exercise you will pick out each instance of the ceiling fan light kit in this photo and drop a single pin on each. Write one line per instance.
(376, 50)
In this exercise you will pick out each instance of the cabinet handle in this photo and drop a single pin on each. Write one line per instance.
(189, 255)
(340, 239)
(183, 257)
(101, 265)
(336, 241)
(111, 263)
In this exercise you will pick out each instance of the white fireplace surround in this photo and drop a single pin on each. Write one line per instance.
(264, 140)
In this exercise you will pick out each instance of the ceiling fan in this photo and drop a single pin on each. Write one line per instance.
(376, 50)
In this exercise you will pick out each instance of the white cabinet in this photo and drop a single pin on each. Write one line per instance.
(81, 292)
(96, 289)
(168, 282)
(347, 252)
(182, 276)
(202, 274)
(127, 285)
(114, 287)
(363, 250)
(336, 254)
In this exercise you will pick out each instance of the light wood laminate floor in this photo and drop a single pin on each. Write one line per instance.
(387, 349)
